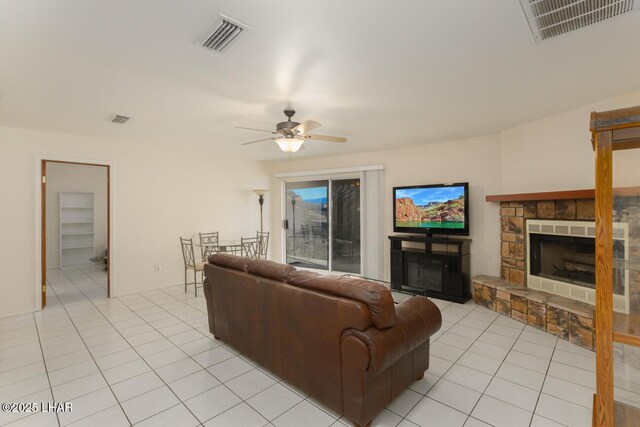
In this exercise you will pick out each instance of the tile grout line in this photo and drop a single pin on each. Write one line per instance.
(44, 361)
(92, 358)
(445, 372)
(141, 358)
(205, 369)
(184, 310)
(439, 378)
(546, 373)
(544, 381)
(502, 362)
(22, 379)
(187, 355)
(499, 366)
(256, 367)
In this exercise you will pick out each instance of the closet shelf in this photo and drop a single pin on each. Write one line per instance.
(77, 247)
(76, 238)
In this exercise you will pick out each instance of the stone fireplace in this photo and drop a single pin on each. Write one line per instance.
(523, 292)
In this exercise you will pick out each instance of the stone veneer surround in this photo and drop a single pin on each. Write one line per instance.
(512, 238)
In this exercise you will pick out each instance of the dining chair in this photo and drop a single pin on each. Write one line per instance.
(209, 243)
(263, 238)
(250, 247)
(190, 263)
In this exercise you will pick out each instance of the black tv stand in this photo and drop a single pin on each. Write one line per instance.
(434, 266)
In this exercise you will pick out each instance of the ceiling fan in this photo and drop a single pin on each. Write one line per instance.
(291, 135)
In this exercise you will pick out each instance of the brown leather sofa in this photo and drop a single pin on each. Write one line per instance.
(341, 340)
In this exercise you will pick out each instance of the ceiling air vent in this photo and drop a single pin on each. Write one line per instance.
(117, 118)
(551, 18)
(222, 34)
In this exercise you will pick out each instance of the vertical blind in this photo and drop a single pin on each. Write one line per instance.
(372, 205)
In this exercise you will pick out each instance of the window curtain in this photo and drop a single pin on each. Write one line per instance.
(372, 204)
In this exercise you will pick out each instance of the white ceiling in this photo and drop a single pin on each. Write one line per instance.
(383, 74)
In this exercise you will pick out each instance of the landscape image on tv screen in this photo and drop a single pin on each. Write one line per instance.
(435, 207)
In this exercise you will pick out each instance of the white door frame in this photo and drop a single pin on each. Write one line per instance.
(298, 177)
(38, 226)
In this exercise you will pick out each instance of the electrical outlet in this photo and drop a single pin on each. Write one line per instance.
(156, 269)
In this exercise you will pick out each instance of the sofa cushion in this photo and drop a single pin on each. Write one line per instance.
(233, 262)
(270, 269)
(376, 296)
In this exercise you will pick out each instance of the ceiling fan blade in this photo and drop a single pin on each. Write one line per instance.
(305, 127)
(257, 140)
(259, 130)
(325, 138)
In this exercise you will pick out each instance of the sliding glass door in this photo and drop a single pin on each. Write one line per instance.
(307, 229)
(323, 224)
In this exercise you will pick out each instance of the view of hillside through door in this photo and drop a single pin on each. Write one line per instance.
(75, 226)
(323, 224)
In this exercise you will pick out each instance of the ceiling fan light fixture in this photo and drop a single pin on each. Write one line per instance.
(289, 145)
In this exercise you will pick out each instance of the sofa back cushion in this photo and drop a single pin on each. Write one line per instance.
(263, 268)
(229, 261)
(377, 297)
(270, 270)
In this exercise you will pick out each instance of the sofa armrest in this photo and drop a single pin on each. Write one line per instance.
(417, 319)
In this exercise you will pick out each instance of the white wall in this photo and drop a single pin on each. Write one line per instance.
(70, 177)
(159, 194)
(555, 153)
(476, 160)
(162, 193)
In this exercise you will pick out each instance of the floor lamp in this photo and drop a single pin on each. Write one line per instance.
(261, 194)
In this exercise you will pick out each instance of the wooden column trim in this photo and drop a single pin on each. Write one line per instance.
(604, 279)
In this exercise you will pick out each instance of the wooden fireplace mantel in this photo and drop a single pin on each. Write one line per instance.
(549, 195)
(560, 195)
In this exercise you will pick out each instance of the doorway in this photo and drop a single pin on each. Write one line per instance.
(75, 222)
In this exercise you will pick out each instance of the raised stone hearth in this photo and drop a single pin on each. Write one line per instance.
(563, 317)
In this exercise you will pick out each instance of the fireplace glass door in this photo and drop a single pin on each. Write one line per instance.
(571, 260)
(423, 274)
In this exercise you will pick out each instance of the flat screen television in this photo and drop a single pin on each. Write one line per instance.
(432, 209)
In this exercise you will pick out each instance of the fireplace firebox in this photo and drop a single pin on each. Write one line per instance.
(561, 260)
(570, 259)
(422, 273)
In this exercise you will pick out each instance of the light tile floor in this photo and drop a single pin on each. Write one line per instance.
(148, 359)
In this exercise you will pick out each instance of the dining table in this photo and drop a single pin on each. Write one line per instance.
(221, 247)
